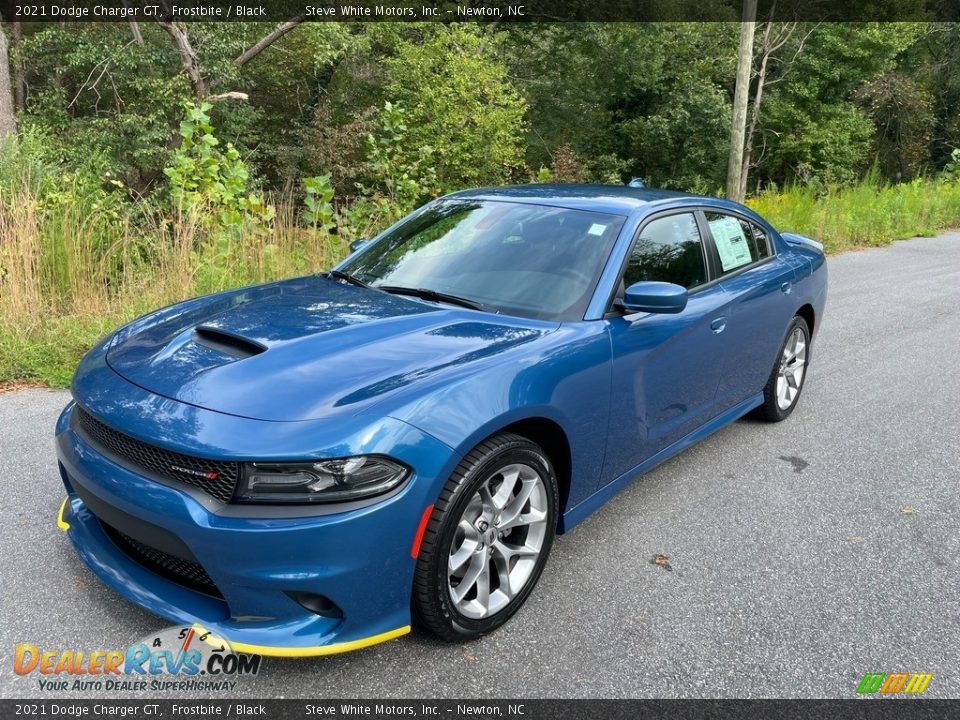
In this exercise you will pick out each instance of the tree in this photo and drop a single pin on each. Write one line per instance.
(8, 117)
(190, 62)
(493, 103)
(188, 57)
(657, 104)
(812, 127)
(902, 112)
(459, 102)
(741, 95)
(775, 36)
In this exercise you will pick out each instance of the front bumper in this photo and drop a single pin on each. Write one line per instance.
(359, 559)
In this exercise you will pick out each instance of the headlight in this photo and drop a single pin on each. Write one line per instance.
(325, 481)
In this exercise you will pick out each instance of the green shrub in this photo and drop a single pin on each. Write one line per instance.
(318, 199)
(204, 176)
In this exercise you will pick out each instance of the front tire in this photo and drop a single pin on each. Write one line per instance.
(783, 388)
(487, 539)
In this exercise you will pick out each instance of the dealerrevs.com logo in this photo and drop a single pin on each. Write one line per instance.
(181, 659)
(894, 683)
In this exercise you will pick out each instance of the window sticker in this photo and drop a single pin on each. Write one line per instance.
(597, 229)
(731, 242)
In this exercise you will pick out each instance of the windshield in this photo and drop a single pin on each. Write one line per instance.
(528, 260)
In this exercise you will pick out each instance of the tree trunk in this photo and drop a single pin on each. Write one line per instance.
(191, 65)
(19, 77)
(188, 58)
(135, 31)
(8, 117)
(266, 41)
(755, 113)
(740, 97)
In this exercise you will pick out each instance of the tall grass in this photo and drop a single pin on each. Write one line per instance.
(869, 214)
(77, 260)
(76, 263)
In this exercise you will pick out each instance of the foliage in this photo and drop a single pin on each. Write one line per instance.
(396, 181)
(91, 86)
(935, 61)
(203, 177)
(74, 262)
(457, 97)
(338, 150)
(828, 149)
(902, 113)
(951, 171)
(690, 126)
(318, 199)
(813, 129)
(123, 191)
(643, 99)
(627, 99)
(405, 172)
(566, 167)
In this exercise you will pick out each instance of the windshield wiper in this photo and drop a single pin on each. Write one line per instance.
(352, 279)
(434, 295)
(423, 293)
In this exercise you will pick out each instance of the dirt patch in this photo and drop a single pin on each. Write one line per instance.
(14, 385)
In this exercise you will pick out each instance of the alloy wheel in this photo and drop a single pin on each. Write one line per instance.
(497, 542)
(793, 364)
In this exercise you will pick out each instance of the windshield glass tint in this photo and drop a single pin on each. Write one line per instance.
(528, 260)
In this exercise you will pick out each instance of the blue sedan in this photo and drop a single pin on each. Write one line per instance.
(309, 466)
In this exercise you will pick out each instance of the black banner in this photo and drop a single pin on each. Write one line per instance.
(857, 709)
(52, 11)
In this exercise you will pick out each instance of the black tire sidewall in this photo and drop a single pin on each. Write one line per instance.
(771, 407)
(519, 451)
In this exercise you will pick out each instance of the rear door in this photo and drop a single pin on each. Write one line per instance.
(760, 286)
(666, 367)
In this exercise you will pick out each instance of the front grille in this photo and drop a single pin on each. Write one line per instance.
(217, 479)
(183, 572)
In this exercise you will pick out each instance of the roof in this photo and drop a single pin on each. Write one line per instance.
(619, 199)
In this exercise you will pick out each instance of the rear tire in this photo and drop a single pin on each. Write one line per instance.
(783, 388)
(487, 539)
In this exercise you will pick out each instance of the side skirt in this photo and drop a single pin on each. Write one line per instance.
(581, 511)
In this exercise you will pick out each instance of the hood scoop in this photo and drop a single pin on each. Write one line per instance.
(226, 342)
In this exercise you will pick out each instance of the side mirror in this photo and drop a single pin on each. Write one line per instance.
(357, 244)
(654, 297)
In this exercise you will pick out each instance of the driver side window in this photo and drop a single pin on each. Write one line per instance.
(668, 249)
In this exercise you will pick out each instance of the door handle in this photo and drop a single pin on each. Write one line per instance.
(786, 288)
(718, 325)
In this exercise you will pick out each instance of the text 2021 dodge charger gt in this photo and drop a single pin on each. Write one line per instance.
(304, 467)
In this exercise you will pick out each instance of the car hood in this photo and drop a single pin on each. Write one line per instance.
(305, 348)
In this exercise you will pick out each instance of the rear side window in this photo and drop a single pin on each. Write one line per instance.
(738, 242)
(669, 249)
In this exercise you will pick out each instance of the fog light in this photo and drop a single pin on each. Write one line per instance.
(317, 604)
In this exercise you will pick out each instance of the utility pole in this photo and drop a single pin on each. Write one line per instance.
(741, 95)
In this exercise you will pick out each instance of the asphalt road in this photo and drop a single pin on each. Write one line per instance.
(804, 554)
